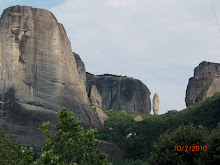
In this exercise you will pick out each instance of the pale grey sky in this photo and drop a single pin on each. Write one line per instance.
(159, 42)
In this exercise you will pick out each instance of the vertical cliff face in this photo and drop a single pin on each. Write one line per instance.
(39, 71)
(82, 75)
(121, 93)
(204, 83)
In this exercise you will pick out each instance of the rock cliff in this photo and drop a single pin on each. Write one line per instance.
(101, 114)
(204, 83)
(121, 93)
(82, 75)
(95, 96)
(38, 74)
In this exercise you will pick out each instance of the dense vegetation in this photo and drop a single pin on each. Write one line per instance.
(12, 153)
(70, 145)
(145, 134)
(112, 75)
(150, 141)
(188, 145)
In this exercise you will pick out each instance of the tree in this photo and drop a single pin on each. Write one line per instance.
(213, 153)
(12, 153)
(166, 153)
(70, 144)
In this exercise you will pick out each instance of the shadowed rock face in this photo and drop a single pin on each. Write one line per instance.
(112, 150)
(204, 83)
(121, 93)
(38, 69)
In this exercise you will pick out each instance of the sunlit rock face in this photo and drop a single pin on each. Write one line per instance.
(204, 83)
(121, 93)
(156, 103)
(95, 96)
(82, 75)
(38, 73)
(214, 87)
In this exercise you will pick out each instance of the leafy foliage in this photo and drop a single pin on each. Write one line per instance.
(189, 135)
(12, 153)
(213, 152)
(147, 132)
(131, 162)
(70, 145)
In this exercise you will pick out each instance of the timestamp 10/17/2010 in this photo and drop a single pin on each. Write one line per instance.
(190, 148)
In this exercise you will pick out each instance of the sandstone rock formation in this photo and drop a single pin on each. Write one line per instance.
(121, 93)
(204, 83)
(156, 104)
(101, 114)
(38, 74)
(112, 150)
(95, 96)
(82, 75)
(138, 118)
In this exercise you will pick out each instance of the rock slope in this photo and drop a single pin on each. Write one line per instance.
(112, 150)
(95, 96)
(121, 93)
(38, 74)
(204, 83)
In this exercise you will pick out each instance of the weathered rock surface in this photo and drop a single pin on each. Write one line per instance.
(38, 74)
(121, 93)
(95, 96)
(101, 114)
(138, 118)
(204, 83)
(156, 104)
(112, 150)
(82, 74)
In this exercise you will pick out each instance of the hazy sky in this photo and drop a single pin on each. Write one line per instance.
(159, 42)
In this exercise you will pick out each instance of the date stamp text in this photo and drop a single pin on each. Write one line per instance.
(190, 148)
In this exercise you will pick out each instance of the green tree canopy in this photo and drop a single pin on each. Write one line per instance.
(188, 135)
(11, 152)
(70, 144)
(213, 153)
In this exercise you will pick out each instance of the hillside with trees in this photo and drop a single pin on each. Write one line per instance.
(137, 139)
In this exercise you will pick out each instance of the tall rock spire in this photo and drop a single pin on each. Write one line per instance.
(156, 104)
